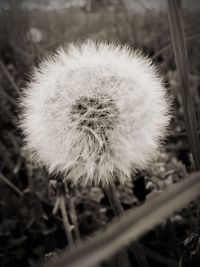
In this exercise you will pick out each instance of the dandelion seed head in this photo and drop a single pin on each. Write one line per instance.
(94, 112)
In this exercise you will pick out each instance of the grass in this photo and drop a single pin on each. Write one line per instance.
(131, 225)
(180, 51)
(151, 33)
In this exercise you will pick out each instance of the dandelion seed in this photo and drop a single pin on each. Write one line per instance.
(94, 112)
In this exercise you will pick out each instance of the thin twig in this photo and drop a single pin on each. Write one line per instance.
(66, 223)
(72, 210)
(8, 76)
(73, 217)
(11, 185)
(143, 6)
(170, 46)
(8, 97)
(62, 206)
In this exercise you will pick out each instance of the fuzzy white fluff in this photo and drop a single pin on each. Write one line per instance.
(94, 112)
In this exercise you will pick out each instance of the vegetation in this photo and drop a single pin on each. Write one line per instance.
(29, 230)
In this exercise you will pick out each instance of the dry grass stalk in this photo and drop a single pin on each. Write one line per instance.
(131, 225)
(180, 51)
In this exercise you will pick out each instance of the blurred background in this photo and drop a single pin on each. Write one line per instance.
(28, 30)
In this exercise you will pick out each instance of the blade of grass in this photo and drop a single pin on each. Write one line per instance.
(8, 76)
(167, 47)
(61, 201)
(180, 51)
(131, 225)
(11, 185)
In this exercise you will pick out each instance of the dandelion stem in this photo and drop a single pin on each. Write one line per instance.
(131, 225)
(135, 253)
(66, 224)
(111, 193)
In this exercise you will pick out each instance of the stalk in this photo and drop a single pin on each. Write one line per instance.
(131, 225)
(62, 206)
(135, 252)
(180, 51)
